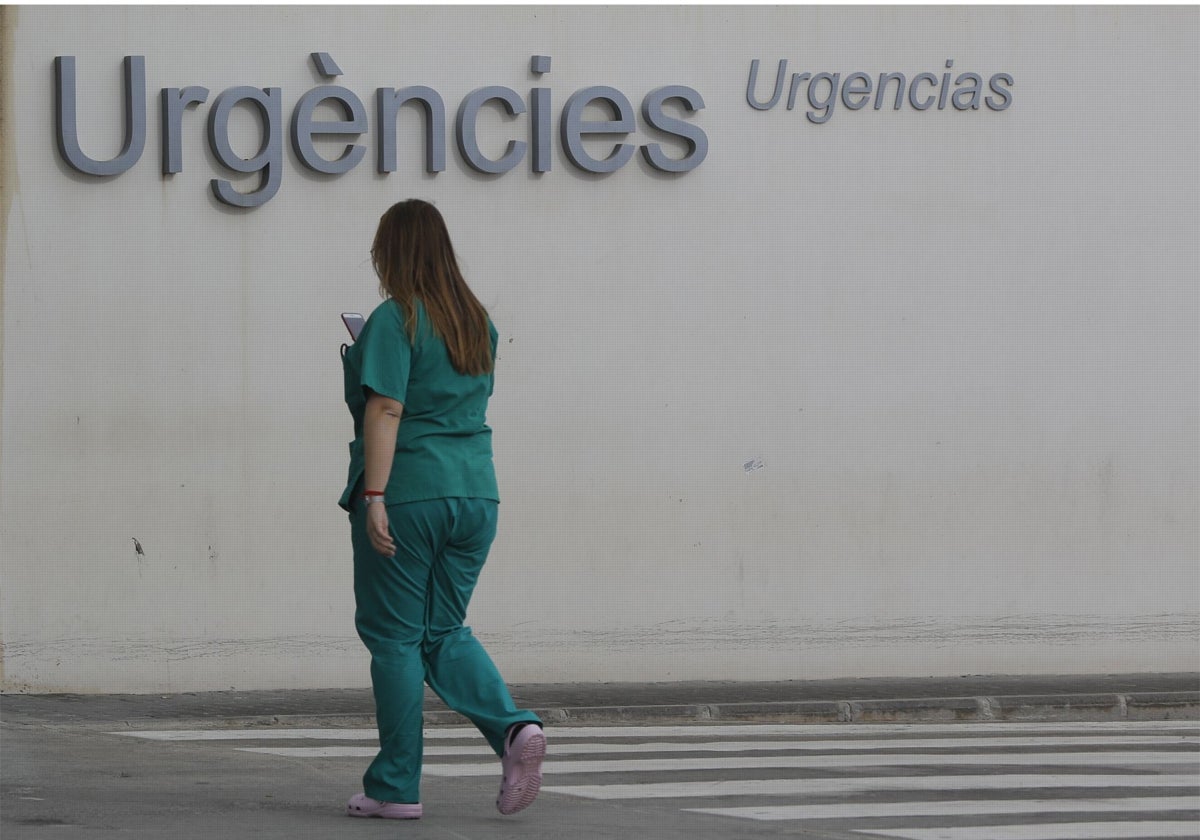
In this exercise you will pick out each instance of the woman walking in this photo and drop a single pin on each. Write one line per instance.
(423, 504)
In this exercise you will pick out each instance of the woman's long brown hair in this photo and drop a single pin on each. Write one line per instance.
(414, 259)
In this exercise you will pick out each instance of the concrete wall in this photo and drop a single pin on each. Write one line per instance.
(961, 345)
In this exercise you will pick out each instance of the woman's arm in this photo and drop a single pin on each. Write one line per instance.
(381, 422)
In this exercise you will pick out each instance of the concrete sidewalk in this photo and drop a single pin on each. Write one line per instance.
(944, 699)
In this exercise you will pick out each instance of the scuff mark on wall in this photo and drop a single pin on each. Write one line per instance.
(170, 664)
(138, 553)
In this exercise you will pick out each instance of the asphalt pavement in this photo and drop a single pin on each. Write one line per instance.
(741, 762)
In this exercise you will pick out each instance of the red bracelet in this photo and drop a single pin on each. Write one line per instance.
(372, 493)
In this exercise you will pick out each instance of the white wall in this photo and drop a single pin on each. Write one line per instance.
(963, 344)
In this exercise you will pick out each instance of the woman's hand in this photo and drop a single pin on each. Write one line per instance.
(378, 531)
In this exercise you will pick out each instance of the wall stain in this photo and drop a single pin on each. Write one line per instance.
(138, 554)
(676, 634)
(914, 632)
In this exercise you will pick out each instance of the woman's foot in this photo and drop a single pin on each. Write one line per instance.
(361, 805)
(524, 749)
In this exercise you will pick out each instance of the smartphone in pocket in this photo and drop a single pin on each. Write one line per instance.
(354, 323)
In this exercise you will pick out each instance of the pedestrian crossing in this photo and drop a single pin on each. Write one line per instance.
(971, 781)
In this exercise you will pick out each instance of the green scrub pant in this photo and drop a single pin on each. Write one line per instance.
(410, 612)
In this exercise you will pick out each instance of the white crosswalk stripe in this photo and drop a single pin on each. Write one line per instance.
(837, 786)
(1003, 781)
(609, 747)
(1054, 831)
(956, 807)
(799, 731)
(675, 765)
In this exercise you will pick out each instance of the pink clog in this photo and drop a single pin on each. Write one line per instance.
(361, 805)
(522, 764)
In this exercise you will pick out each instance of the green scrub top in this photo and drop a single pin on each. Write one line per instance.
(444, 445)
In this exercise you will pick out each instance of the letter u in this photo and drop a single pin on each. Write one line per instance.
(68, 130)
(753, 83)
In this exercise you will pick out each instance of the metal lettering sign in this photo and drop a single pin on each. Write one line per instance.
(821, 93)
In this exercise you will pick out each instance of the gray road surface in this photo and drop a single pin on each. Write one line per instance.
(701, 781)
